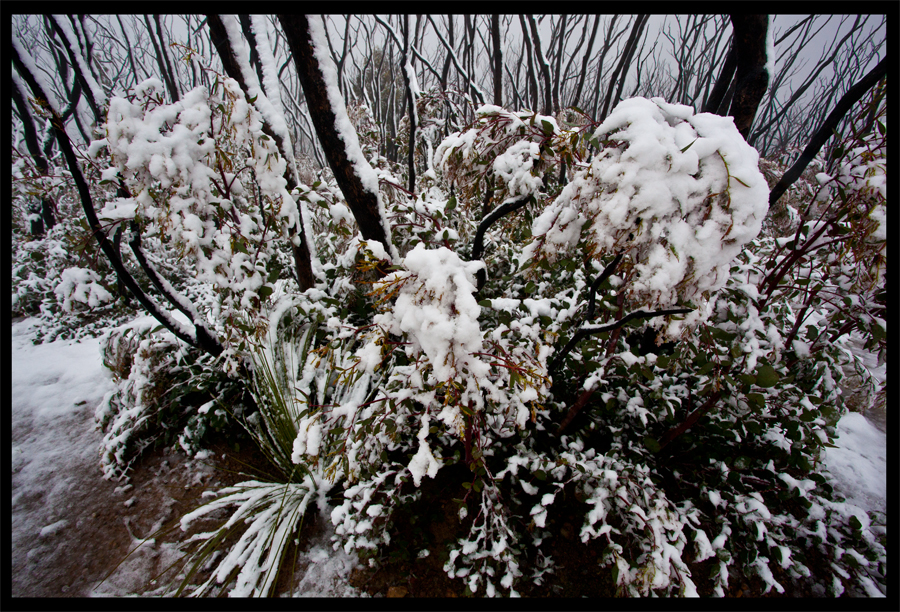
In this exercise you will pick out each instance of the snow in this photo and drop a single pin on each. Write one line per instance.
(97, 92)
(56, 388)
(39, 77)
(680, 193)
(858, 464)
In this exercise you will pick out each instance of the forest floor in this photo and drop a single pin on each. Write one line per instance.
(72, 530)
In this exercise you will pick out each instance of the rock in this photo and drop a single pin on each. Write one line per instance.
(397, 591)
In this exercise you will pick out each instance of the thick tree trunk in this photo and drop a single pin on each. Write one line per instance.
(361, 198)
(750, 76)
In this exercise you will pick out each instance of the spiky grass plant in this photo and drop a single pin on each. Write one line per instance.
(269, 513)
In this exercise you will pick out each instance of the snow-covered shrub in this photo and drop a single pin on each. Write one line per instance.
(166, 393)
(201, 175)
(81, 285)
(702, 450)
(60, 277)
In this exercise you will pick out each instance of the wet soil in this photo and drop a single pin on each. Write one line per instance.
(99, 549)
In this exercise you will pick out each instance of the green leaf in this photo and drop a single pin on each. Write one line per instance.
(757, 398)
(451, 203)
(689, 146)
(706, 369)
(766, 376)
(548, 127)
(854, 522)
(540, 475)
(652, 444)
(747, 379)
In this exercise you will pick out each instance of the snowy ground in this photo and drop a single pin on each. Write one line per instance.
(69, 526)
(59, 497)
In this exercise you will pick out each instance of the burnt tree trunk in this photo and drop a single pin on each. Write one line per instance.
(362, 199)
(751, 77)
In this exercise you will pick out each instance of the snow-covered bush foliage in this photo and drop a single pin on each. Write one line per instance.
(166, 394)
(60, 277)
(567, 311)
(555, 379)
(202, 175)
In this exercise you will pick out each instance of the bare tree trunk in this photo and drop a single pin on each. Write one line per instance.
(584, 62)
(558, 71)
(750, 76)
(251, 40)
(622, 67)
(532, 79)
(411, 103)
(498, 60)
(42, 217)
(542, 64)
(167, 78)
(302, 253)
(361, 198)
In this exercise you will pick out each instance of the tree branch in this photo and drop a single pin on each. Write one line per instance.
(591, 330)
(853, 95)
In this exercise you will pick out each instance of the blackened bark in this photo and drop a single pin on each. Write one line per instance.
(170, 84)
(585, 60)
(362, 202)
(251, 41)
(71, 51)
(498, 60)
(478, 242)
(559, 53)
(826, 130)
(532, 79)
(411, 105)
(302, 253)
(45, 217)
(751, 77)
(542, 64)
(622, 67)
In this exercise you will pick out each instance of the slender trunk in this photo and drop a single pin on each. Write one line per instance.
(170, 85)
(826, 130)
(362, 197)
(247, 29)
(621, 67)
(498, 60)
(584, 62)
(302, 253)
